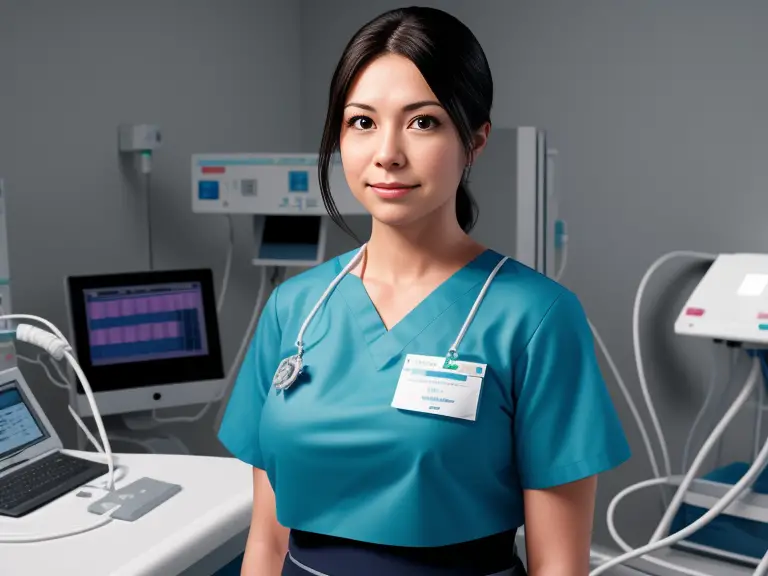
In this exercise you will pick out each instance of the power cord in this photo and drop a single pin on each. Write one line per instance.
(638, 355)
(659, 480)
(685, 483)
(228, 265)
(57, 346)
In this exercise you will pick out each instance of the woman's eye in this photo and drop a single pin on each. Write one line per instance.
(360, 122)
(425, 122)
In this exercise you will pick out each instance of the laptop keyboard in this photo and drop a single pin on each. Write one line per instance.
(37, 484)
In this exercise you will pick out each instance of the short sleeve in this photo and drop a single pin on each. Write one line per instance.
(566, 426)
(239, 430)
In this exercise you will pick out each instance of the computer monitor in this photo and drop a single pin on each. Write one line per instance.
(145, 340)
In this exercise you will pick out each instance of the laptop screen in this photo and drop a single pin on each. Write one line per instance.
(18, 426)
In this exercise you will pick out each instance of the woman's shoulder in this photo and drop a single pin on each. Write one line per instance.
(517, 286)
(533, 303)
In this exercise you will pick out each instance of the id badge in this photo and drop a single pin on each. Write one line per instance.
(431, 385)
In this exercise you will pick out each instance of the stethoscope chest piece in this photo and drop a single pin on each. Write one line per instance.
(287, 372)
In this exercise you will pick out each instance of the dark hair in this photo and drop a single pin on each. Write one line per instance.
(451, 61)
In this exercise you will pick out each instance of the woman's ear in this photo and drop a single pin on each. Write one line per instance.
(479, 141)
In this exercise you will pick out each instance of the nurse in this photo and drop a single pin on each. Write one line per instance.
(407, 406)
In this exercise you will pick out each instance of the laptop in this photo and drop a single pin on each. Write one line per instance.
(34, 470)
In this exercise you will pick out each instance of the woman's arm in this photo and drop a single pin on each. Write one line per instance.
(558, 528)
(267, 542)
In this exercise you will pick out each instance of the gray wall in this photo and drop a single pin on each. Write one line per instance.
(657, 109)
(216, 76)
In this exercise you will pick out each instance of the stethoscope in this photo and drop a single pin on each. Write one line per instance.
(290, 368)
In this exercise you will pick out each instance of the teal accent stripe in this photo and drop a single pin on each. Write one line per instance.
(438, 374)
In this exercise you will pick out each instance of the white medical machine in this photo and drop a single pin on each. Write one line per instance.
(282, 193)
(717, 522)
(730, 304)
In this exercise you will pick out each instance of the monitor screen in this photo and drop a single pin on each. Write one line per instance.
(140, 329)
(141, 323)
(18, 426)
(290, 238)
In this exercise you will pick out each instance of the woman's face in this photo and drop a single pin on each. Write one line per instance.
(402, 156)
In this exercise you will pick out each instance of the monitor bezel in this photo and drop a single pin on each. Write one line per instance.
(148, 373)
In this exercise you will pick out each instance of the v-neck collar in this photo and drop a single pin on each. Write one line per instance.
(385, 345)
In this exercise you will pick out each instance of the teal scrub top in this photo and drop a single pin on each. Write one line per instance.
(343, 462)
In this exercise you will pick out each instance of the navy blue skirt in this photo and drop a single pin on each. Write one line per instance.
(318, 555)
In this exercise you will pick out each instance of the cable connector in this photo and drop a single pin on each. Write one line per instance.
(43, 339)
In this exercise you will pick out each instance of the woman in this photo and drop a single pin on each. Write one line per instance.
(407, 406)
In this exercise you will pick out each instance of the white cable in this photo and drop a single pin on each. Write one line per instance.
(626, 547)
(121, 470)
(625, 391)
(58, 347)
(96, 416)
(228, 265)
(762, 568)
(64, 377)
(85, 430)
(707, 400)
(723, 397)
(735, 492)
(21, 538)
(352, 263)
(638, 357)
(231, 373)
(74, 414)
(685, 483)
(53, 345)
(36, 319)
(64, 385)
(754, 375)
(38, 360)
(455, 347)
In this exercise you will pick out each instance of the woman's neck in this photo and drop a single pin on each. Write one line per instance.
(401, 256)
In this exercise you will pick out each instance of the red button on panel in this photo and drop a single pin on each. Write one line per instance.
(762, 316)
(213, 169)
(695, 312)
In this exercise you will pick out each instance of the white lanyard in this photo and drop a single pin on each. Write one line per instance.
(290, 368)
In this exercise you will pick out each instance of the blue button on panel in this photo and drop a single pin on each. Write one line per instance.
(208, 190)
(763, 326)
(298, 181)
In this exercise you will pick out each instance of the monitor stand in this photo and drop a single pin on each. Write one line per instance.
(136, 430)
